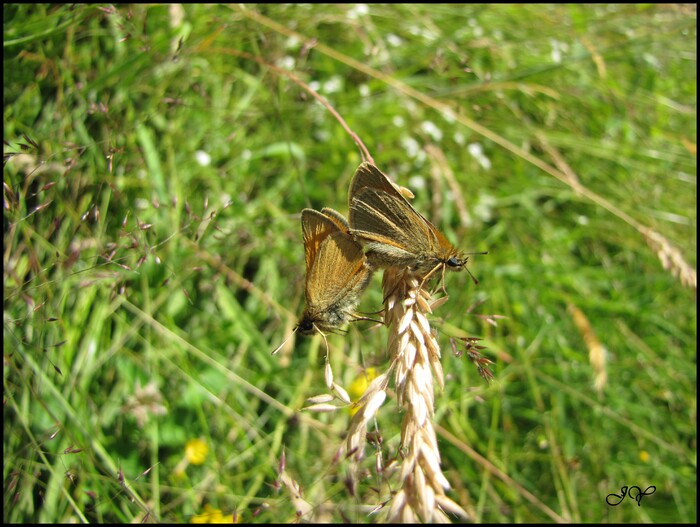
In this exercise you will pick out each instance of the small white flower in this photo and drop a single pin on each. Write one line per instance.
(332, 85)
(292, 43)
(416, 182)
(358, 10)
(203, 158)
(449, 115)
(286, 63)
(557, 49)
(475, 149)
(410, 145)
(477, 30)
(477, 152)
(394, 40)
(322, 135)
(432, 130)
(484, 207)
(556, 56)
(651, 60)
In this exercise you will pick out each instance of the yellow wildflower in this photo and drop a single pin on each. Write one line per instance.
(196, 451)
(359, 385)
(212, 515)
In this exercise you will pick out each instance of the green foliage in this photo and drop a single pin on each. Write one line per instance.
(153, 259)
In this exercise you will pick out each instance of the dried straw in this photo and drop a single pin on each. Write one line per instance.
(415, 362)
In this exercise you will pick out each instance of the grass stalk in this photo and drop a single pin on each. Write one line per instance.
(415, 356)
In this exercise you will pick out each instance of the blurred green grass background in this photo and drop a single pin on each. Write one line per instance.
(157, 158)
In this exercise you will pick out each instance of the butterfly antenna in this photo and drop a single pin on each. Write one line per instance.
(476, 282)
(328, 350)
(276, 350)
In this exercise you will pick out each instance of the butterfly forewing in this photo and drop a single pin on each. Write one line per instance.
(392, 231)
(379, 216)
(316, 227)
(369, 176)
(339, 273)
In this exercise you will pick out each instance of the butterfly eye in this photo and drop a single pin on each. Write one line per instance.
(305, 327)
(455, 262)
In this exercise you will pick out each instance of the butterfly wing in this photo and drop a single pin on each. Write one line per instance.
(381, 217)
(337, 218)
(380, 213)
(338, 275)
(316, 227)
(369, 176)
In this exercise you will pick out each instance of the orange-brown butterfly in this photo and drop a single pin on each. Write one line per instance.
(392, 232)
(337, 272)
